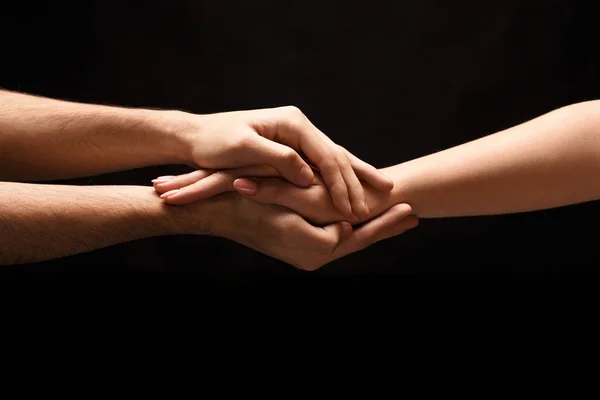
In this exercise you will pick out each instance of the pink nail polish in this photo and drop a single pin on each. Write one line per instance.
(245, 186)
(163, 179)
(168, 194)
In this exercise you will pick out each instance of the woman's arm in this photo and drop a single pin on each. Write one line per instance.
(550, 161)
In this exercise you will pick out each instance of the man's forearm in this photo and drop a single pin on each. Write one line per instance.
(42, 139)
(39, 222)
(551, 161)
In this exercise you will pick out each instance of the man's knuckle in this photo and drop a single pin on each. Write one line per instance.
(288, 224)
(295, 118)
(328, 165)
(340, 159)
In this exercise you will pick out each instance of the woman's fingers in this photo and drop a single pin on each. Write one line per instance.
(202, 184)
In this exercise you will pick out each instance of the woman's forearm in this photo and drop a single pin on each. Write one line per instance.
(551, 161)
(44, 139)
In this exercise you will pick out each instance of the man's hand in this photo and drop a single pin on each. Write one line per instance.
(275, 137)
(284, 235)
(313, 202)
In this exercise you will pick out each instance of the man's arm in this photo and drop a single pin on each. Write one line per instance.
(45, 139)
(40, 222)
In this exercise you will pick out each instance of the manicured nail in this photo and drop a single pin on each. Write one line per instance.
(245, 186)
(168, 194)
(306, 176)
(163, 179)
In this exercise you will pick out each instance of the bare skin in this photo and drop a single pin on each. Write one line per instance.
(46, 139)
(550, 161)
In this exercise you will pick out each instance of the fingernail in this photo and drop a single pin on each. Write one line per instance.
(306, 176)
(245, 187)
(168, 194)
(163, 179)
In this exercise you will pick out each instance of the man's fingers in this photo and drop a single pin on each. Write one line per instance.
(165, 184)
(370, 174)
(284, 159)
(338, 233)
(393, 222)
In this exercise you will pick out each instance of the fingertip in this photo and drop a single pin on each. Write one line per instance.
(346, 230)
(413, 221)
(386, 183)
(382, 182)
(361, 211)
(245, 186)
(306, 176)
(403, 209)
(162, 179)
(169, 194)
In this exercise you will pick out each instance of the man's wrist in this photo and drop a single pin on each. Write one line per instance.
(165, 131)
(213, 216)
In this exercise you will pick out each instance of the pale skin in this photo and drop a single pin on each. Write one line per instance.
(46, 139)
(548, 162)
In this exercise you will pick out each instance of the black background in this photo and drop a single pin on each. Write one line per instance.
(390, 81)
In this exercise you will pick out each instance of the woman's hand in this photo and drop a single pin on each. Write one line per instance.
(265, 186)
(277, 137)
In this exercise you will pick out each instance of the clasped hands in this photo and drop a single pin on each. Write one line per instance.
(276, 183)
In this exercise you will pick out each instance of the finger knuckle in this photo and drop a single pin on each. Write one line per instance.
(288, 156)
(328, 165)
(340, 158)
(221, 177)
(292, 111)
(288, 223)
(277, 192)
(295, 118)
(341, 149)
(240, 142)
